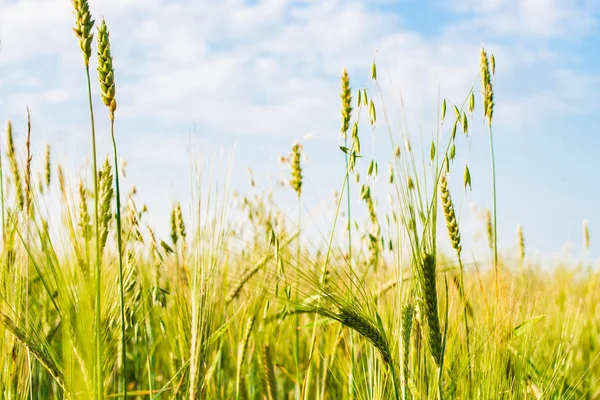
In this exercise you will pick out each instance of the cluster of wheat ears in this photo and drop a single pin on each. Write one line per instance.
(94, 304)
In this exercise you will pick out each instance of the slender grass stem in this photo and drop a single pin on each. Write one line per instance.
(99, 392)
(495, 227)
(120, 259)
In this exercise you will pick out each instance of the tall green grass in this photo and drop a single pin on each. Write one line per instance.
(94, 304)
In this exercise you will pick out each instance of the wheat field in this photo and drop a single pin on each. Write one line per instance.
(95, 305)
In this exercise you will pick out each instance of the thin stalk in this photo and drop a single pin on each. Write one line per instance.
(306, 384)
(98, 308)
(351, 374)
(466, 322)
(495, 229)
(120, 255)
(297, 334)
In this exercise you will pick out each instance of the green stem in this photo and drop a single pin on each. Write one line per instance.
(494, 204)
(306, 384)
(351, 374)
(297, 334)
(120, 255)
(98, 309)
(466, 322)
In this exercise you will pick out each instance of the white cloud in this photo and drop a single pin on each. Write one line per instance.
(271, 70)
(544, 19)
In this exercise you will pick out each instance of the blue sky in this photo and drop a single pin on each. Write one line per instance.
(257, 75)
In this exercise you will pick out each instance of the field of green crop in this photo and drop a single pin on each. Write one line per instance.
(94, 304)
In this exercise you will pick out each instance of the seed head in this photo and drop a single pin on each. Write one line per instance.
(83, 28)
(14, 165)
(48, 166)
(429, 307)
(490, 228)
(450, 215)
(486, 87)
(105, 183)
(586, 235)
(174, 234)
(85, 220)
(407, 319)
(296, 181)
(106, 72)
(179, 222)
(521, 243)
(346, 96)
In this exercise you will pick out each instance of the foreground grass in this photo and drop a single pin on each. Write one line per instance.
(94, 305)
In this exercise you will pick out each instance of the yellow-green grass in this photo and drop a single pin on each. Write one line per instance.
(93, 304)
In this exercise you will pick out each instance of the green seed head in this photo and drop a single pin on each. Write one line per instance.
(586, 235)
(450, 215)
(83, 28)
(296, 181)
(486, 87)
(346, 96)
(521, 243)
(106, 72)
(14, 166)
(48, 165)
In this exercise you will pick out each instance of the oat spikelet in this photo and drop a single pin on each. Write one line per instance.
(429, 305)
(521, 243)
(486, 87)
(450, 215)
(106, 72)
(346, 96)
(83, 28)
(48, 167)
(14, 165)
(296, 181)
(586, 235)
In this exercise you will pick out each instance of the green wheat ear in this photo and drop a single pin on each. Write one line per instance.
(429, 305)
(521, 243)
(83, 28)
(296, 181)
(450, 215)
(346, 96)
(106, 72)
(586, 235)
(14, 165)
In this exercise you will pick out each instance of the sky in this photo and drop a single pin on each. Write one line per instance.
(197, 79)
